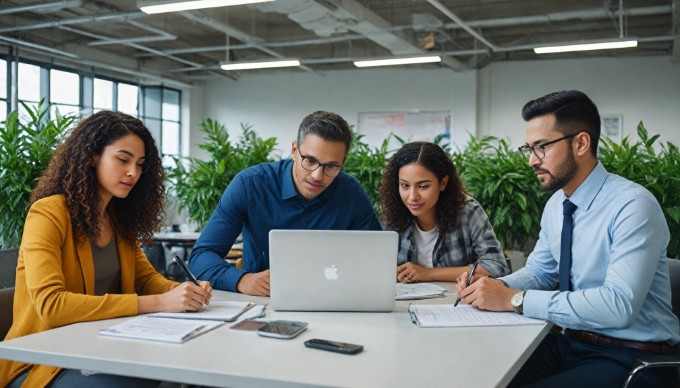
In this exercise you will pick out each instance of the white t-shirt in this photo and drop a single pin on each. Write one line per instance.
(424, 245)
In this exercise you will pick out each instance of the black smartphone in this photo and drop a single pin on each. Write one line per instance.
(282, 329)
(334, 346)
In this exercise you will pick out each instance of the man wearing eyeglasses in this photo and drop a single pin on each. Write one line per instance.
(308, 191)
(599, 269)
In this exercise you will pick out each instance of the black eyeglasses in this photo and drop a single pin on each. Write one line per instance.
(539, 149)
(311, 164)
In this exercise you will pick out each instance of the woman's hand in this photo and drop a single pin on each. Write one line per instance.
(411, 273)
(185, 297)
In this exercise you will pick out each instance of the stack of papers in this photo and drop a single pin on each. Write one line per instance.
(225, 311)
(418, 291)
(446, 315)
(160, 329)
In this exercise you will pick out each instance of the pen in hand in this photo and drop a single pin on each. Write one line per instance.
(186, 271)
(469, 279)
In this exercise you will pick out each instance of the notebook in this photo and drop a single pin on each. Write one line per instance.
(332, 270)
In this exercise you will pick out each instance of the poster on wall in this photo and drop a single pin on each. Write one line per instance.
(612, 127)
(409, 126)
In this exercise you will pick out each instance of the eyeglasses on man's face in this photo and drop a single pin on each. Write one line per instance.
(310, 164)
(539, 149)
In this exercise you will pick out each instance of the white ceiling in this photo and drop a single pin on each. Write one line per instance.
(113, 36)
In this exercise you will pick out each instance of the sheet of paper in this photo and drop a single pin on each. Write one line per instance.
(217, 310)
(418, 291)
(160, 329)
(446, 315)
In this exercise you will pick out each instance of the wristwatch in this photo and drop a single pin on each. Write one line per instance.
(517, 301)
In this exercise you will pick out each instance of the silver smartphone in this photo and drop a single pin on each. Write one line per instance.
(282, 329)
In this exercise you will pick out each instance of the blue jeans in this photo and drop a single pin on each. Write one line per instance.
(73, 378)
(562, 361)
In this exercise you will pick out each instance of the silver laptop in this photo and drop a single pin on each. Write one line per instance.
(332, 270)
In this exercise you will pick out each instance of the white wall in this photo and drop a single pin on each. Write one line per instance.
(275, 103)
(646, 89)
(488, 101)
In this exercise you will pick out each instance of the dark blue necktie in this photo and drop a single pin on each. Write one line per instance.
(568, 209)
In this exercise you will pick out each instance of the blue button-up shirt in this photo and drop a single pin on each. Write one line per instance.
(262, 198)
(619, 271)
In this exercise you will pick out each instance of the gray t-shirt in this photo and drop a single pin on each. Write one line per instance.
(106, 268)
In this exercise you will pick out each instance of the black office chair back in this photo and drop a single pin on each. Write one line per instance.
(6, 305)
(674, 272)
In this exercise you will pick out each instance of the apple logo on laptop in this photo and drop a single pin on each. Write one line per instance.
(331, 273)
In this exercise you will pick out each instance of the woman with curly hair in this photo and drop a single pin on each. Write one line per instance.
(442, 230)
(80, 258)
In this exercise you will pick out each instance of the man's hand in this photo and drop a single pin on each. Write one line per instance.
(254, 284)
(486, 293)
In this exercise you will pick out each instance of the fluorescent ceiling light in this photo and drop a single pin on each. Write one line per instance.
(266, 64)
(587, 47)
(397, 61)
(162, 6)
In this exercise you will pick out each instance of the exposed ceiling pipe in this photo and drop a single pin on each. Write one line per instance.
(147, 49)
(137, 73)
(257, 43)
(76, 20)
(53, 6)
(51, 50)
(161, 35)
(461, 22)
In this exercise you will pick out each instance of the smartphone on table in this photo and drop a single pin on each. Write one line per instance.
(282, 329)
(334, 346)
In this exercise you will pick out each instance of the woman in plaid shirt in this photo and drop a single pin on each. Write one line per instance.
(442, 229)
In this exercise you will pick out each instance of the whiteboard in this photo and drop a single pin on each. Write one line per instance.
(410, 126)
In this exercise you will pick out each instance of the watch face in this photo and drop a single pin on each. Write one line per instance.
(517, 299)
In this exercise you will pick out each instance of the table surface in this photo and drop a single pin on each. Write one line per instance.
(396, 352)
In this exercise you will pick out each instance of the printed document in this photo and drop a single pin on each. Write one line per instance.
(446, 315)
(226, 311)
(418, 291)
(145, 327)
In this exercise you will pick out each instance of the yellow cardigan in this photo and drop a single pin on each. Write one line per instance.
(55, 283)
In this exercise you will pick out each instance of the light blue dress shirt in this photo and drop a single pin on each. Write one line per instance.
(621, 286)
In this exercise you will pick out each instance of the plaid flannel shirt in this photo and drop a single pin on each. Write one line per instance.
(473, 239)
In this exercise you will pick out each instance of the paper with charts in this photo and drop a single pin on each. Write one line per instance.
(446, 315)
(220, 310)
(170, 330)
(418, 291)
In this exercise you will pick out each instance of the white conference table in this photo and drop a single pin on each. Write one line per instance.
(396, 352)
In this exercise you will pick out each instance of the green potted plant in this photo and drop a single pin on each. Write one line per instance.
(658, 171)
(25, 151)
(199, 184)
(499, 177)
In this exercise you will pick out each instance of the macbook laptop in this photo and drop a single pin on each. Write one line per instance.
(332, 270)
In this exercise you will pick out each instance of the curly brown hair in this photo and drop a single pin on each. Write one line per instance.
(395, 214)
(72, 174)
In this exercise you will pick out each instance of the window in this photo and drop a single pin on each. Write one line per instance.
(162, 117)
(64, 92)
(3, 90)
(128, 99)
(103, 95)
(28, 89)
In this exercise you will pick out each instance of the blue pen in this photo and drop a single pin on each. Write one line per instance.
(469, 279)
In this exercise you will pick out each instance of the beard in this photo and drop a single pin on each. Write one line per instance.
(563, 174)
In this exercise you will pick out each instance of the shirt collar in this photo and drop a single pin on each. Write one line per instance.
(585, 194)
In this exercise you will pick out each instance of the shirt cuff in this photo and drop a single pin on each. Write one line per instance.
(232, 278)
(535, 304)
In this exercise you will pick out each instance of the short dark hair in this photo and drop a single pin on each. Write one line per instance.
(328, 126)
(574, 112)
(395, 214)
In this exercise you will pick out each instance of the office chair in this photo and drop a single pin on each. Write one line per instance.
(670, 360)
(6, 305)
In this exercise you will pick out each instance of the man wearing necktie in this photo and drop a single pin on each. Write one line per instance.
(599, 268)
